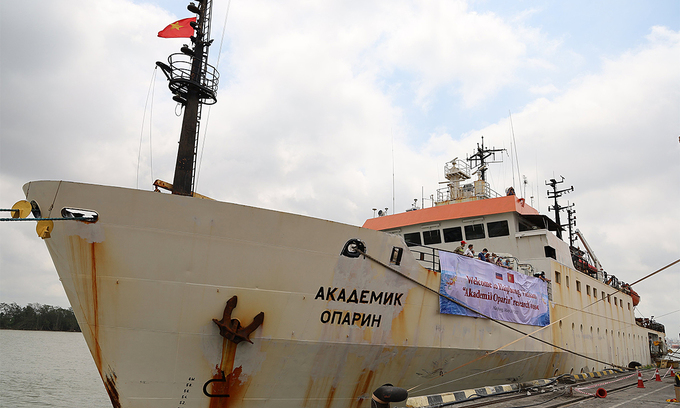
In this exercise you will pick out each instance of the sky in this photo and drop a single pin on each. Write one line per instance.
(331, 109)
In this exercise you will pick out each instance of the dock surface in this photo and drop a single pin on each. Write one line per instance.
(621, 389)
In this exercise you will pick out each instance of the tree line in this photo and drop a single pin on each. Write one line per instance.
(37, 317)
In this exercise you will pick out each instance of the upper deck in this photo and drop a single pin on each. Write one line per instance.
(468, 209)
(505, 225)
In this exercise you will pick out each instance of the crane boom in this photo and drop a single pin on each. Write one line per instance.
(598, 265)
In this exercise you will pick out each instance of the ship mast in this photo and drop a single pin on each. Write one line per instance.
(556, 207)
(571, 222)
(194, 83)
(479, 159)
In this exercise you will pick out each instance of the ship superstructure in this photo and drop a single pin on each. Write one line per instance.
(530, 243)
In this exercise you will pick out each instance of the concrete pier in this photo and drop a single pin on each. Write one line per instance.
(621, 391)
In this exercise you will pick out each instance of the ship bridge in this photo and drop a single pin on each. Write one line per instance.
(505, 225)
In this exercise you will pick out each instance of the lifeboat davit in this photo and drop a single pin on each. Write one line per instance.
(635, 296)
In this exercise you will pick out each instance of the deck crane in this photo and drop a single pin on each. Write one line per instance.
(598, 265)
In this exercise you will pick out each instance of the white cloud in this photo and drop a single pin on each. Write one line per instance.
(443, 44)
(544, 89)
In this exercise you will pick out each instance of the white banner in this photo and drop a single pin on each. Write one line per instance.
(497, 292)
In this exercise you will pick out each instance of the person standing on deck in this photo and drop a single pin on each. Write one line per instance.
(469, 251)
(461, 249)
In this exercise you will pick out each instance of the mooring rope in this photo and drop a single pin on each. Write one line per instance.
(485, 371)
(49, 219)
(578, 389)
(525, 335)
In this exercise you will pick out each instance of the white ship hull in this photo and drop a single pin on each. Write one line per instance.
(146, 280)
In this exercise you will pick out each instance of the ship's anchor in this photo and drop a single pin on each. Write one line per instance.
(231, 329)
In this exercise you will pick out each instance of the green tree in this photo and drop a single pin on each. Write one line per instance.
(37, 317)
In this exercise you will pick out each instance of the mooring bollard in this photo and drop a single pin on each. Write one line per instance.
(386, 394)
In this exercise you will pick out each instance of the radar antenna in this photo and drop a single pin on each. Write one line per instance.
(478, 160)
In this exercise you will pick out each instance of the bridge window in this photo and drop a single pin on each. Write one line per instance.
(474, 231)
(498, 228)
(412, 238)
(432, 237)
(454, 234)
(550, 252)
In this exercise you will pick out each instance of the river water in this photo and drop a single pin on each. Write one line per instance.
(48, 369)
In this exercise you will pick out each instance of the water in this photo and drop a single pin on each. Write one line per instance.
(48, 369)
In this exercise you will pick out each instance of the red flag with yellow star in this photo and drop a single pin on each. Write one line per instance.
(178, 29)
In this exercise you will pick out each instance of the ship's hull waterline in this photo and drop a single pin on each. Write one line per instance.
(146, 280)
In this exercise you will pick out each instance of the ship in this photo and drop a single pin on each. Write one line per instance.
(186, 301)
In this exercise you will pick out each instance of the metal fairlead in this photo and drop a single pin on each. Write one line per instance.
(353, 248)
(22, 209)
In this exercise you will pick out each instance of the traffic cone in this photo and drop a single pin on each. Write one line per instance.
(672, 372)
(657, 377)
(641, 383)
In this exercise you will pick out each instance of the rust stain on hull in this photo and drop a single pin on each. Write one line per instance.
(109, 380)
(110, 384)
(315, 389)
(95, 307)
(362, 387)
(331, 395)
(232, 385)
(84, 264)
